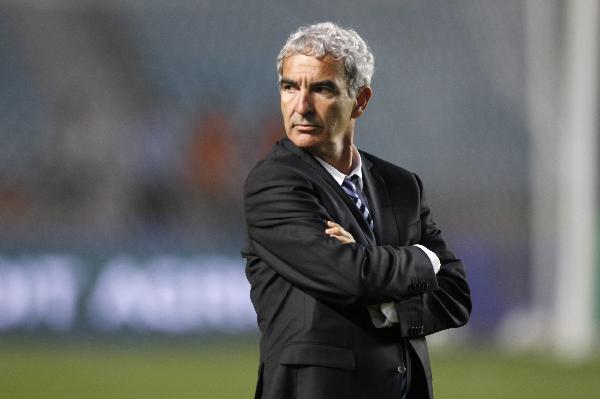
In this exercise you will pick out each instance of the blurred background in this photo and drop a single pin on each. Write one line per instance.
(128, 128)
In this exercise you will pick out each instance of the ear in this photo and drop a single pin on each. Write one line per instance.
(362, 99)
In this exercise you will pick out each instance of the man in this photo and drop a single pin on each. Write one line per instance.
(348, 271)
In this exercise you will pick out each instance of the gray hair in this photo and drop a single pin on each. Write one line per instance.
(328, 39)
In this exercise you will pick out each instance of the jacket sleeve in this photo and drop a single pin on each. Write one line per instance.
(447, 306)
(286, 229)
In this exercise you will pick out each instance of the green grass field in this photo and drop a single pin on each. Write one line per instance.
(227, 369)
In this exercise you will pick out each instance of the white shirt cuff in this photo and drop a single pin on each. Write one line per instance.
(435, 261)
(383, 315)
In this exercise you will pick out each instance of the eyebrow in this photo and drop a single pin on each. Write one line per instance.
(328, 83)
(287, 81)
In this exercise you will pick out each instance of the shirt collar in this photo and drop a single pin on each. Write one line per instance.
(339, 176)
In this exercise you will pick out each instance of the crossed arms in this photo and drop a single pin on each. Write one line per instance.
(286, 224)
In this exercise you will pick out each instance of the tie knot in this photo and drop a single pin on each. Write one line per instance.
(352, 181)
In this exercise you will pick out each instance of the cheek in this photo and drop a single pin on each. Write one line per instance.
(287, 107)
(284, 113)
(339, 116)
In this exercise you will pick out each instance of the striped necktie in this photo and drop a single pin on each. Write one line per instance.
(350, 187)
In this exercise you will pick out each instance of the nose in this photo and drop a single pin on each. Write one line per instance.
(304, 102)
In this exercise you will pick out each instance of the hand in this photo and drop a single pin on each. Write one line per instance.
(337, 231)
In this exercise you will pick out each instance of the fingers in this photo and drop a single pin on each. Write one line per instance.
(334, 229)
(338, 232)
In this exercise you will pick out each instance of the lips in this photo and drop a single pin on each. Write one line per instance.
(305, 127)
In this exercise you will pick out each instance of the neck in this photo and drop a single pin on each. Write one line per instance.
(342, 160)
(338, 152)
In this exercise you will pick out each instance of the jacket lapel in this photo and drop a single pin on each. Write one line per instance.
(380, 204)
(368, 235)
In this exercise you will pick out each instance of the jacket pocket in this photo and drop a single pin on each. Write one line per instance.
(300, 354)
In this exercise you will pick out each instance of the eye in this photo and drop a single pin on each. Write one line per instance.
(288, 87)
(323, 89)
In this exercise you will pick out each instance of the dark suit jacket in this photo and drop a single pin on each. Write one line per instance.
(311, 292)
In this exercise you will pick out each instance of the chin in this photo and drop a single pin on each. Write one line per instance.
(303, 140)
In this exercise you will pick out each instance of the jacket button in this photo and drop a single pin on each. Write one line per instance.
(401, 369)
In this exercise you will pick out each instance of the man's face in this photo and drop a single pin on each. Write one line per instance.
(317, 109)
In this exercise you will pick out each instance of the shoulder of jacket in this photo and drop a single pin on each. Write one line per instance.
(284, 167)
(386, 168)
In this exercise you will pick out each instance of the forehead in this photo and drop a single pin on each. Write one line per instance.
(299, 66)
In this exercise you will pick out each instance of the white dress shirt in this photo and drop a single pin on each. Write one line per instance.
(382, 315)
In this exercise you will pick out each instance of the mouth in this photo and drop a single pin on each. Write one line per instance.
(305, 127)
